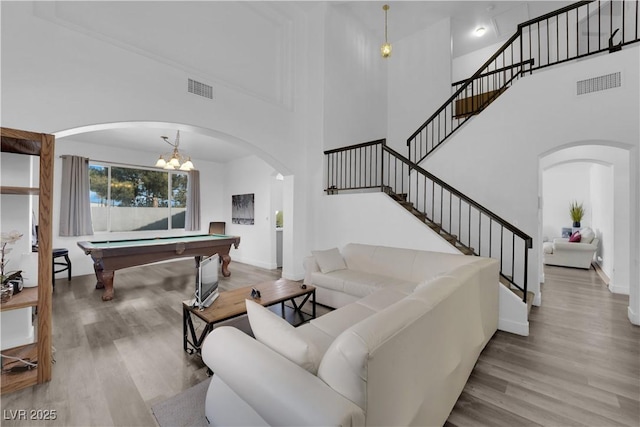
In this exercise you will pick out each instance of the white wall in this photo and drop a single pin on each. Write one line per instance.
(538, 115)
(562, 185)
(355, 83)
(465, 66)
(95, 74)
(101, 74)
(419, 81)
(250, 175)
(602, 214)
(375, 219)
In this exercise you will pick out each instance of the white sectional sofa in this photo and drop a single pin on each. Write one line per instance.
(367, 268)
(398, 351)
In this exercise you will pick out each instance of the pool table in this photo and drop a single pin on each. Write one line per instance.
(111, 255)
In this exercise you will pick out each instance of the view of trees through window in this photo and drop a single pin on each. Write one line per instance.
(130, 199)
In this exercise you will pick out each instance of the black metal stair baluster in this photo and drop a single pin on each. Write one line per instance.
(513, 257)
(490, 236)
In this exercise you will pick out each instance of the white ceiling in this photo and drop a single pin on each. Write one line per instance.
(198, 146)
(500, 18)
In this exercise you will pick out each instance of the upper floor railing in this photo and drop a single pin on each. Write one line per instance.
(578, 30)
(465, 223)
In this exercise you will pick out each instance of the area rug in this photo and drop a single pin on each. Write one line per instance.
(185, 409)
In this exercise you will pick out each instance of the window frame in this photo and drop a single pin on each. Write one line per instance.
(109, 204)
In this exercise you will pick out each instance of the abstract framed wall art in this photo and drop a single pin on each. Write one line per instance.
(242, 209)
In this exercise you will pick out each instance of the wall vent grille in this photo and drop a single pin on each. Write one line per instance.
(200, 89)
(597, 84)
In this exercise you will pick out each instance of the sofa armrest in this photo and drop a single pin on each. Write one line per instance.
(566, 246)
(280, 391)
(310, 266)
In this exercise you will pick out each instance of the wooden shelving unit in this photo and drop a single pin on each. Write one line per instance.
(41, 145)
(20, 191)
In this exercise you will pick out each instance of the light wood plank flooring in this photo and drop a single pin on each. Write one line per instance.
(579, 366)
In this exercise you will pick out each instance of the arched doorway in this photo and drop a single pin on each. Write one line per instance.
(605, 169)
(110, 142)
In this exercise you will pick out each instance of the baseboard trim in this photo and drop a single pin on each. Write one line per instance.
(601, 273)
(613, 288)
(518, 328)
(633, 317)
(295, 277)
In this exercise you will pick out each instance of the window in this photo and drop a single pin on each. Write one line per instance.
(129, 199)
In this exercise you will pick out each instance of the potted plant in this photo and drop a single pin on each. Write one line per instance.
(576, 211)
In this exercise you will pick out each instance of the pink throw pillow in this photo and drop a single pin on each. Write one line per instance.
(575, 237)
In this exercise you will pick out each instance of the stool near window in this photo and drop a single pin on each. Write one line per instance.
(56, 253)
(65, 265)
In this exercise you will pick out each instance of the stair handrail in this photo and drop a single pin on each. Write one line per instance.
(515, 230)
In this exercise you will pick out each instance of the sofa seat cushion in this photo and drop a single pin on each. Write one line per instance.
(337, 321)
(383, 298)
(358, 283)
(320, 339)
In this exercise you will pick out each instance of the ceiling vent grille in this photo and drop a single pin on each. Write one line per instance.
(596, 84)
(200, 89)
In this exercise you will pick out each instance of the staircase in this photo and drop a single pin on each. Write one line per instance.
(464, 223)
(574, 32)
(451, 238)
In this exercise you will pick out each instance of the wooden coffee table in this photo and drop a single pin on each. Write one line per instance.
(231, 304)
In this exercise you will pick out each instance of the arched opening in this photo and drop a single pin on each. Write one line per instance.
(599, 174)
(228, 166)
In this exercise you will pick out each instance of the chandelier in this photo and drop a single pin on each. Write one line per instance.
(174, 160)
(385, 49)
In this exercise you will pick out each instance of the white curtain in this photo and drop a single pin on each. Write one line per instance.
(192, 219)
(75, 204)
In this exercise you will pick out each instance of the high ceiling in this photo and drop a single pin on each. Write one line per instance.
(500, 18)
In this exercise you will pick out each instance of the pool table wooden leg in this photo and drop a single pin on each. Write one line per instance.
(225, 259)
(105, 281)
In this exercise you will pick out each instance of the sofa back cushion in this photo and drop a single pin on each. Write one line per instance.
(329, 260)
(406, 264)
(279, 335)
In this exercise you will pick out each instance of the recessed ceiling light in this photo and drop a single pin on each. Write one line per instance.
(479, 32)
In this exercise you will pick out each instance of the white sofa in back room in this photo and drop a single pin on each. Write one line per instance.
(566, 253)
(398, 351)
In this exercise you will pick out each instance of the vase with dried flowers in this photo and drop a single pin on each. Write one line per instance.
(6, 277)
